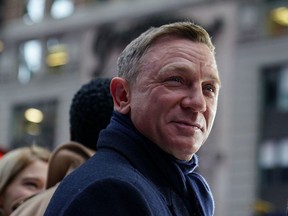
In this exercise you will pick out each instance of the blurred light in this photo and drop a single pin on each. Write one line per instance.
(280, 15)
(30, 60)
(33, 115)
(282, 96)
(283, 153)
(24, 75)
(57, 57)
(32, 53)
(268, 155)
(62, 8)
(262, 206)
(35, 11)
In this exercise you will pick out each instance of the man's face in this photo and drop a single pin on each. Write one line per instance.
(28, 182)
(174, 99)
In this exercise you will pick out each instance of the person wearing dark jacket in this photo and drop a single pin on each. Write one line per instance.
(165, 101)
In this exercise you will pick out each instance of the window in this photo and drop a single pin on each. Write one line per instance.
(34, 122)
(248, 21)
(273, 146)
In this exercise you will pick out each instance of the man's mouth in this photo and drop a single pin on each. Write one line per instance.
(189, 124)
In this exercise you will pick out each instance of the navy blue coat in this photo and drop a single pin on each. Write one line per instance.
(130, 176)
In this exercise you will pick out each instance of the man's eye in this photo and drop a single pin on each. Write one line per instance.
(210, 88)
(176, 79)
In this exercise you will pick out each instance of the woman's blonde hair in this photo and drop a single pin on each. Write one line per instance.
(16, 160)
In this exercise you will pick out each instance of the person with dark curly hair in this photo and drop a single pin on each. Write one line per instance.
(90, 111)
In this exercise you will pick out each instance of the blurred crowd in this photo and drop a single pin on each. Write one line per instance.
(30, 170)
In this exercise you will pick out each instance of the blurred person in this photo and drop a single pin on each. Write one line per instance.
(23, 173)
(165, 101)
(90, 112)
(64, 160)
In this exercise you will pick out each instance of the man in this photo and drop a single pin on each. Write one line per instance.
(165, 101)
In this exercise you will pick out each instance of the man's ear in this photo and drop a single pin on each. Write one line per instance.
(120, 92)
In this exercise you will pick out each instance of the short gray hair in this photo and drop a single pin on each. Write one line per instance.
(129, 61)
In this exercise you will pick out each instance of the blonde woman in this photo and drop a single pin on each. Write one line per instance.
(23, 173)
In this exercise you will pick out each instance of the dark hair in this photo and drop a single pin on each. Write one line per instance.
(90, 111)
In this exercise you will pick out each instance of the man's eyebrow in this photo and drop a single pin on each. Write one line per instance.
(175, 67)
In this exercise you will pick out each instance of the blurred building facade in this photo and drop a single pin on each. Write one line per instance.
(49, 48)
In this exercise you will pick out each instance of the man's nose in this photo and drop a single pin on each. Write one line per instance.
(195, 100)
